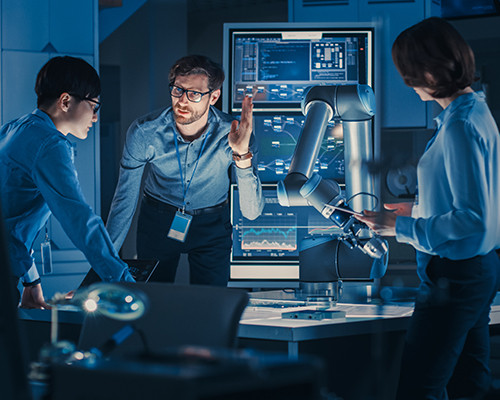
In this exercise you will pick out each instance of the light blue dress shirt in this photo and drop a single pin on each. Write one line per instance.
(457, 215)
(37, 178)
(151, 141)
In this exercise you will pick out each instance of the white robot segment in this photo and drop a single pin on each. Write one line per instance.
(355, 106)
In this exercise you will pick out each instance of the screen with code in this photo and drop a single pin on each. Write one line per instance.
(277, 65)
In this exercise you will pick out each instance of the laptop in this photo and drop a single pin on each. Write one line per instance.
(141, 271)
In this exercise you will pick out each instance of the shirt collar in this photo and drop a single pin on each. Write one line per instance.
(43, 115)
(443, 116)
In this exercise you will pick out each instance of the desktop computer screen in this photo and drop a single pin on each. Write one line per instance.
(268, 247)
(277, 62)
(276, 136)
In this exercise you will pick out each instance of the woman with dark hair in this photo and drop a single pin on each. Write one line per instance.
(454, 223)
(38, 178)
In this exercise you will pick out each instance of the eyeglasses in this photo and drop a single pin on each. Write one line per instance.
(97, 106)
(192, 95)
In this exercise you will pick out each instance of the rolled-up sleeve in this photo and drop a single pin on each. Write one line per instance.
(250, 188)
(459, 230)
(56, 178)
(251, 201)
(134, 159)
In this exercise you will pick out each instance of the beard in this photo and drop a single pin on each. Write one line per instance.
(192, 117)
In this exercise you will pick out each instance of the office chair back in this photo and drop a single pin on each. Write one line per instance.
(176, 316)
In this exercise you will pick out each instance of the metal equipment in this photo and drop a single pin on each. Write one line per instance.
(354, 105)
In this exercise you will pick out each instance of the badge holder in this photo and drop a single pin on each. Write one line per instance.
(180, 226)
(46, 254)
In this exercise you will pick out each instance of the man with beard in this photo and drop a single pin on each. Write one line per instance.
(190, 148)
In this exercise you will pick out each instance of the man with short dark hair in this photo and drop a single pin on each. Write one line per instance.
(190, 148)
(38, 177)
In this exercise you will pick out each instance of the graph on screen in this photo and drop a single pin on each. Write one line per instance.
(275, 236)
(272, 232)
(276, 138)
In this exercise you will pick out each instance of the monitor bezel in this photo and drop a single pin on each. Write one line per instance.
(263, 270)
(273, 28)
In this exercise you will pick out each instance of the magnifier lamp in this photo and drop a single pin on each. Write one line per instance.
(124, 303)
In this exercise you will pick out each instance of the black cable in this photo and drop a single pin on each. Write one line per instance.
(366, 194)
(337, 249)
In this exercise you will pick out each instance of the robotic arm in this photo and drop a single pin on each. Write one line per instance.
(354, 105)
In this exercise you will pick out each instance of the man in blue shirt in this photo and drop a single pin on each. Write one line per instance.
(454, 224)
(190, 148)
(38, 177)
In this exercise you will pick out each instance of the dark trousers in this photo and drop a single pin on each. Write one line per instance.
(208, 244)
(447, 349)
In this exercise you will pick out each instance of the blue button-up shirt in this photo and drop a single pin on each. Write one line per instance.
(151, 140)
(458, 210)
(37, 177)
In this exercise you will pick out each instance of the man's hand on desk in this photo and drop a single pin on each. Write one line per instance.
(33, 297)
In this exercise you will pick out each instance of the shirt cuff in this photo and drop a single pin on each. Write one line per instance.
(31, 284)
(31, 276)
(405, 227)
(127, 277)
(244, 172)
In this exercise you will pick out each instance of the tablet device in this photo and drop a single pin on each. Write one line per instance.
(141, 271)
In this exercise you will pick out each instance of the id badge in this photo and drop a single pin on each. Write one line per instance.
(46, 257)
(180, 226)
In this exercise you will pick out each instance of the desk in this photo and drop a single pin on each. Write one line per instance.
(262, 320)
(361, 352)
(266, 323)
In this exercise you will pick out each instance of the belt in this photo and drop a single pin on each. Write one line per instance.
(161, 206)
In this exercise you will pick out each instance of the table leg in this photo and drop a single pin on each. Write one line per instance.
(293, 350)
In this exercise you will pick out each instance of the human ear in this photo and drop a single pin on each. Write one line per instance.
(63, 101)
(429, 78)
(214, 96)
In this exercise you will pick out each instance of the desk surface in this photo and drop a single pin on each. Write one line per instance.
(262, 318)
(261, 322)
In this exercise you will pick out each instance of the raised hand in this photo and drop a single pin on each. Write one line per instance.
(239, 135)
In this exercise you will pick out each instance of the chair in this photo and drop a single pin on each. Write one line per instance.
(176, 316)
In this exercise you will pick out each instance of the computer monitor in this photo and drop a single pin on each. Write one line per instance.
(276, 136)
(267, 248)
(276, 62)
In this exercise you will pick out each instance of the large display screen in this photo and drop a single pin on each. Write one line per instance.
(269, 245)
(276, 136)
(276, 65)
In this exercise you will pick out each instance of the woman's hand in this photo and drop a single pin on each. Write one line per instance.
(383, 223)
(400, 209)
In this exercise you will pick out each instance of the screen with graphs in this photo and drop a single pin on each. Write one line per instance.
(277, 65)
(276, 136)
(276, 235)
